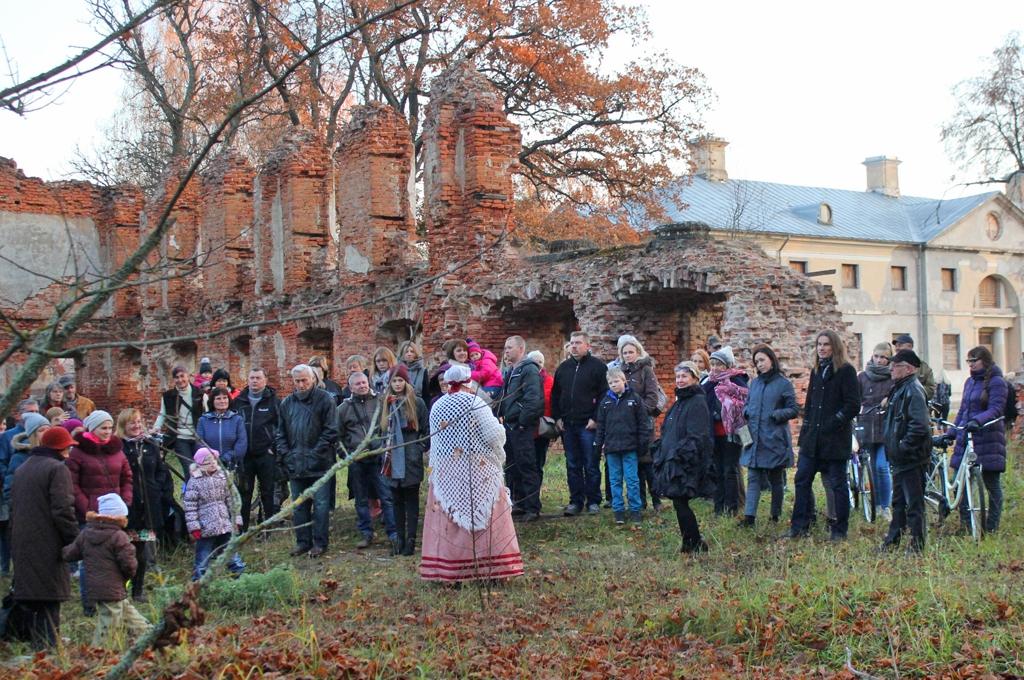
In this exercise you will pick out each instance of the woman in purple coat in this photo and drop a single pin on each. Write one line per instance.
(984, 400)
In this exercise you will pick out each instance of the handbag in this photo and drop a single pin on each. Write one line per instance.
(12, 623)
(547, 428)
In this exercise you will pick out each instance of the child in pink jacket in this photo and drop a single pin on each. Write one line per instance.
(484, 369)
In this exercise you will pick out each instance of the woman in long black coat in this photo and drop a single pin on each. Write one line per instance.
(833, 401)
(682, 464)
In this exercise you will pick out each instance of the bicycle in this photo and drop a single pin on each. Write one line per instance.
(942, 495)
(861, 480)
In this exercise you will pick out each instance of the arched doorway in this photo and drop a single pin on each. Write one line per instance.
(997, 320)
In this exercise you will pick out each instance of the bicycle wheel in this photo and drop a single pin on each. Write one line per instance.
(852, 483)
(936, 506)
(975, 503)
(867, 489)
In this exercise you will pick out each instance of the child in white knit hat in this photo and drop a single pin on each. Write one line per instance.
(109, 560)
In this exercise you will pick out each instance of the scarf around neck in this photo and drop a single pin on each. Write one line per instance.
(396, 438)
(878, 373)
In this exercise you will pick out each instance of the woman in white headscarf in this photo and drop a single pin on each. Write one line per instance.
(468, 532)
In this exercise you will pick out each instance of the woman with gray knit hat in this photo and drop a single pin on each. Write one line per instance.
(22, 444)
(726, 392)
(98, 466)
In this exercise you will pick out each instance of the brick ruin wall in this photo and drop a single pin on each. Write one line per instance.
(313, 233)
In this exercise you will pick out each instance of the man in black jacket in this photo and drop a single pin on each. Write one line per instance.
(908, 447)
(358, 416)
(258, 405)
(522, 405)
(580, 384)
(306, 440)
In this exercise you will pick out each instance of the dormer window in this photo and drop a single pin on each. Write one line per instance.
(825, 214)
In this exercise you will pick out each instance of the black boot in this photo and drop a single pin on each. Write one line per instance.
(409, 548)
(746, 521)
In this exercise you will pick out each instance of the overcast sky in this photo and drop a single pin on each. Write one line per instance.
(804, 90)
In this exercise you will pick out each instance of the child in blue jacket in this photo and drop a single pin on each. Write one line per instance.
(623, 428)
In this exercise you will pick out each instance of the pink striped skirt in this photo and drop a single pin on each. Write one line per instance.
(451, 553)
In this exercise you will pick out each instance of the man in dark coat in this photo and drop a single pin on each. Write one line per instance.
(359, 416)
(258, 405)
(908, 445)
(826, 437)
(580, 385)
(42, 523)
(306, 440)
(522, 405)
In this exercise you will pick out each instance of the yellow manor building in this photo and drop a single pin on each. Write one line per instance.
(949, 272)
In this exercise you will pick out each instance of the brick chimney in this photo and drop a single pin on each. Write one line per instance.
(709, 156)
(1015, 189)
(883, 177)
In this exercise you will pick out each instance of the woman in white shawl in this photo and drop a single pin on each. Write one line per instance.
(468, 532)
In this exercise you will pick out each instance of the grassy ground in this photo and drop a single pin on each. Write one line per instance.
(604, 601)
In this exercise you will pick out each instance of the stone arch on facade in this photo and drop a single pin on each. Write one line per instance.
(671, 322)
(544, 318)
(997, 320)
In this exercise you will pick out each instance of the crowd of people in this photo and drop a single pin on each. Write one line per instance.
(89, 494)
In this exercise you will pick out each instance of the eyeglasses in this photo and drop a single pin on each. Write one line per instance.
(971, 360)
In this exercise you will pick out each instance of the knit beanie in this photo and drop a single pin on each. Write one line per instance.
(474, 346)
(111, 505)
(725, 356)
(203, 454)
(399, 370)
(205, 366)
(71, 423)
(95, 419)
(32, 422)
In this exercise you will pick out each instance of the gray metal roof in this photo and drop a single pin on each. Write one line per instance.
(786, 209)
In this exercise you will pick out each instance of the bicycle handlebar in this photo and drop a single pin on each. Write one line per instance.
(954, 426)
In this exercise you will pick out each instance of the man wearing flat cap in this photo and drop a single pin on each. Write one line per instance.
(908, 445)
(925, 375)
(77, 405)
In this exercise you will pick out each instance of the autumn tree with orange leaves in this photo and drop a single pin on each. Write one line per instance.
(595, 140)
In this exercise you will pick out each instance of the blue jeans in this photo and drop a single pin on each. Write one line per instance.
(319, 507)
(207, 549)
(883, 477)
(624, 465)
(582, 466)
(368, 475)
(833, 473)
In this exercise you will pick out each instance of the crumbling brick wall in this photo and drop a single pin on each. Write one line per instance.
(274, 262)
